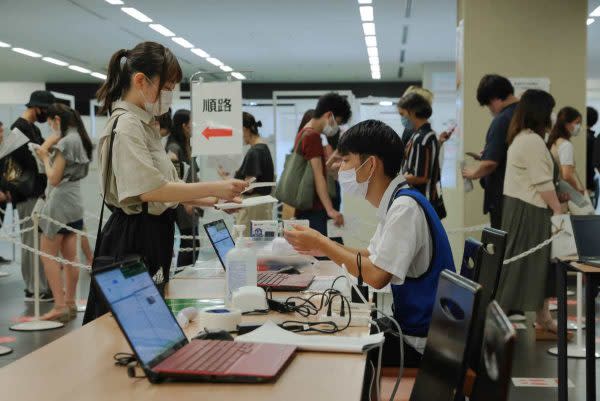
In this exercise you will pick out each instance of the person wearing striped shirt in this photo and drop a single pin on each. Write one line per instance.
(421, 166)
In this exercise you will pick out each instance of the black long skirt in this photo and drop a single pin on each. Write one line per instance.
(148, 236)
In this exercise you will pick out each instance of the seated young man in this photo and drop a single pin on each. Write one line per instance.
(409, 249)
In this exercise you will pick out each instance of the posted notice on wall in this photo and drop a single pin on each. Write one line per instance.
(522, 84)
(216, 118)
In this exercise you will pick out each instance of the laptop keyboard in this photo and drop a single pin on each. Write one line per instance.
(211, 356)
(270, 279)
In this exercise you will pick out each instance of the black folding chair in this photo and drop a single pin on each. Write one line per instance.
(443, 365)
(487, 274)
(471, 258)
(493, 379)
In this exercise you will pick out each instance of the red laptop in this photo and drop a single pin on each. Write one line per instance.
(221, 240)
(162, 348)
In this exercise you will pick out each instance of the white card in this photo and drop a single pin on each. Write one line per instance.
(551, 382)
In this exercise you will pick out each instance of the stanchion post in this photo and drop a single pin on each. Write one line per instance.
(14, 227)
(36, 324)
(35, 217)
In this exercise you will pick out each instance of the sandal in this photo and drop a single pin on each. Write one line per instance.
(72, 310)
(60, 314)
(548, 331)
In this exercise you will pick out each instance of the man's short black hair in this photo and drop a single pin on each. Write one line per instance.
(493, 86)
(417, 104)
(592, 116)
(338, 105)
(374, 138)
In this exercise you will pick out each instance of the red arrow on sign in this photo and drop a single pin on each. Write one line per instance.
(217, 132)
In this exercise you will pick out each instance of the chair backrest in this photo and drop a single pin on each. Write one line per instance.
(493, 380)
(471, 258)
(443, 365)
(492, 257)
(487, 274)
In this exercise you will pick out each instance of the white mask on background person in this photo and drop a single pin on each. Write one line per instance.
(576, 130)
(331, 129)
(349, 185)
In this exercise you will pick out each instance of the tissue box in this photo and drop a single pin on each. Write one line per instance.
(264, 228)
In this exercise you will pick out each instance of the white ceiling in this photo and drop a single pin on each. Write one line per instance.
(279, 40)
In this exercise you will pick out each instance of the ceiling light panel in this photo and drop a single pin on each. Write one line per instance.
(162, 30)
(214, 61)
(238, 75)
(182, 42)
(79, 69)
(138, 15)
(226, 68)
(369, 28)
(371, 41)
(55, 61)
(115, 2)
(200, 52)
(590, 21)
(366, 13)
(365, 1)
(98, 75)
(596, 12)
(3, 44)
(26, 52)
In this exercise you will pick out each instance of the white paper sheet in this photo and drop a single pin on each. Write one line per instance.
(248, 202)
(272, 334)
(12, 142)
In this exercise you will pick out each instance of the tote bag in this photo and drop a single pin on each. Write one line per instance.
(296, 187)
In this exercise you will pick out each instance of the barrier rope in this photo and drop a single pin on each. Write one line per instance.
(66, 227)
(44, 254)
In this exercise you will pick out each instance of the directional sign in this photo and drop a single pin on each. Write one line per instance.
(216, 118)
(216, 132)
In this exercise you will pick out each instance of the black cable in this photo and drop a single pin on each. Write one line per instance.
(359, 267)
(305, 327)
(124, 358)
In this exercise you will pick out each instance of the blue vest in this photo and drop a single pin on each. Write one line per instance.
(414, 299)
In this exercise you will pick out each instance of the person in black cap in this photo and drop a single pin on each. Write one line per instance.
(20, 177)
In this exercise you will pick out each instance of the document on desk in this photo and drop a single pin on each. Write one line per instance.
(247, 202)
(271, 333)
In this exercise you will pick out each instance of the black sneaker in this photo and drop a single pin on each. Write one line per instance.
(46, 297)
(4, 261)
(29, 296)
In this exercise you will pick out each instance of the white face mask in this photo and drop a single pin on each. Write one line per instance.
(349, 185)
(576, 130)
(331, 129)
(162, 103)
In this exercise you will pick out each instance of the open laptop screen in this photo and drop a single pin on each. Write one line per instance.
(220, 238)
(586, 230)
(143, 315)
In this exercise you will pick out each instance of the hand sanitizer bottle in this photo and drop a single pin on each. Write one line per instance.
(241, 267)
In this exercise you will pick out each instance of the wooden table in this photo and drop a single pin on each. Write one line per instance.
(592, 279)
(80, 366)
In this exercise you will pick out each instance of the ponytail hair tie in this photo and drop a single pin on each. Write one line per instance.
(259, 124)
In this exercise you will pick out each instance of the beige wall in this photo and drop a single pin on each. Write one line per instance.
(520, 38)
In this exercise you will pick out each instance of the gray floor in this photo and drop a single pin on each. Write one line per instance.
(531, 358)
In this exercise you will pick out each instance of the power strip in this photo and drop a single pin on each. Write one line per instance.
(342, 321)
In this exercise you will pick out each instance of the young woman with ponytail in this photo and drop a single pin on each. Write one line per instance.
(139, 181)
(66, 155)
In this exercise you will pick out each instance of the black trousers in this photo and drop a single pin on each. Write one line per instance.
(496, 217)
(148, 236)
(187, 258)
